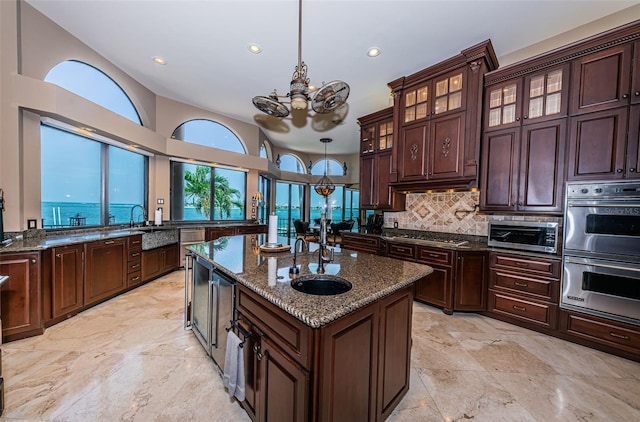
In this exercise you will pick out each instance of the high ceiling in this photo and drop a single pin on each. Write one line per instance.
(205, 44)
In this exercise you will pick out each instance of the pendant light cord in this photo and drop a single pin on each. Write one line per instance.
(299, 36)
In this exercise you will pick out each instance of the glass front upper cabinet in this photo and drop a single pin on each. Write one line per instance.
(416, 104)
(437, 96)
(385, 131)
(544, 97)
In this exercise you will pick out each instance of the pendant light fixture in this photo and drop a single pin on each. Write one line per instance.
(325, 186)
(326, 99)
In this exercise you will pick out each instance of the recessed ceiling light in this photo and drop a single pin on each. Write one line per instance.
(159, 60)
(255, 48)
(373, 52)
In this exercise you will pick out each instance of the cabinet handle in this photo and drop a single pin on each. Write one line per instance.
(618, 170)
(521, 284)
(520, 308)
(109, 242)
(256, 348)
(616, 335)
(135, 254)
(432, 255)
(260, 356)
(517, 119)
(625, 96)
(135, 242)
(632, 170)
(58, 255)
(136, 278)
(135, 266)
(637, 93)
(33, 261)
(525, 117)
(521, 264)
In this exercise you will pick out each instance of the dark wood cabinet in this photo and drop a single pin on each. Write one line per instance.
(354, 368)
(67, 281)
(376, 162)
(633, 144)
(361, 242)
(523, 147)
(601, 80)
(134, 260)
(471, 281)
(438, 117)
(105, 269)
(597, 147)
(212, 233)
(524, 290)
(159, 261)
(20, 295)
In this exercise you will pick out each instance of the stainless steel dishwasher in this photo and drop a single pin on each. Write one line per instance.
(189, 236)
(209, 306)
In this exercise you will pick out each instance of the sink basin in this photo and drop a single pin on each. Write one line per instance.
(321, 284)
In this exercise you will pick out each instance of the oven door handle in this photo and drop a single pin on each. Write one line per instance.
(601, 205)
(612, 267)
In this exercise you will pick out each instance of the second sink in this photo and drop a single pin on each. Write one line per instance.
(321, 284)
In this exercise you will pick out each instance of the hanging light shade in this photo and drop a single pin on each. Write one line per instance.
(325, 99)
(325, 186)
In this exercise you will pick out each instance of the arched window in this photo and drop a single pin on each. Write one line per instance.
(265, 152)
(289, 162)
(210, 134)
(94, 85)
(333, 167)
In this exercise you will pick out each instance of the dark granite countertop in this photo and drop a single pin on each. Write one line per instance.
(372, 276)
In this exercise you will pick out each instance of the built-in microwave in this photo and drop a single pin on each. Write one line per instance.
(524, 235)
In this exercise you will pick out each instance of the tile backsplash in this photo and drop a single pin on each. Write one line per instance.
(450, 212)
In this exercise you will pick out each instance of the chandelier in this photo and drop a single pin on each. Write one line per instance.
(327, 98)
(325, 186)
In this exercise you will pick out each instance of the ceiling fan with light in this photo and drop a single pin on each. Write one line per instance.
(325, 99)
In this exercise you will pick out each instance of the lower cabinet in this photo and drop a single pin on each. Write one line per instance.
(67, 283)
(20, 296)
(160, 261)
(105, 269)
(355, 368)
(361, 243)
(524, 290)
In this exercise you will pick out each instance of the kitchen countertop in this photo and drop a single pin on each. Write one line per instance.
(372, 276)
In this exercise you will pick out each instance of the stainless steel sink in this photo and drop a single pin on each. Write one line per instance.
(321, 284)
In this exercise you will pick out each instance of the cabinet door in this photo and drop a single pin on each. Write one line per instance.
(633, 144)
(542, 154)
(283, 385)
(446, 150)
(635, 82)
(395, 351)
(503, 105)
(67, 285)
(471, 282)
(546, 95)
(435, 289)
(368, 139)
(349, 367)
(597, 145)
(367, 181)
(20, 296)
(105, 271)
(500, 166)
(382, 174)
(171, 258)
(601, 80)
(151, 263)
(412, 152)
(449, 92)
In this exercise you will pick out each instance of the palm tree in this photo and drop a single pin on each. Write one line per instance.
(198, 189)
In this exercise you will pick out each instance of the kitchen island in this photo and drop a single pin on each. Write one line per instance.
(311, 357)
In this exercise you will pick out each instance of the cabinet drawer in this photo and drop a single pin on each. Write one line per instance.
(251, 229)
(134, 255)
(429, 255)
(546, 267)
(603, 331)
(134, 278)
(135, 242)
(544, 314)
(361, 243)
(402, 251)
(290, 334)
(547, 289)
(133, 266)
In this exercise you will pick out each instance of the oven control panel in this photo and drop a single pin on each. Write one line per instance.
(588, 190)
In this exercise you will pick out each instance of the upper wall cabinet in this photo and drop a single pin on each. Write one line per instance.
(437, 119)
(376, 144)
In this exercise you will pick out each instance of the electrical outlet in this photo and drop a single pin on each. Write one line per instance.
(160, 201)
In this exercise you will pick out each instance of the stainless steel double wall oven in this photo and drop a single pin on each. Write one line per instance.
(601, 254)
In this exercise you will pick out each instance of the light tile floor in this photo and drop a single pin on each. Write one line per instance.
(130, 359)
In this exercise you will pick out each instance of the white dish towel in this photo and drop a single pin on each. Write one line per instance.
(233, 377)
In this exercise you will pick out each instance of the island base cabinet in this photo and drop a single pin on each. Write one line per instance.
(354, 368)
